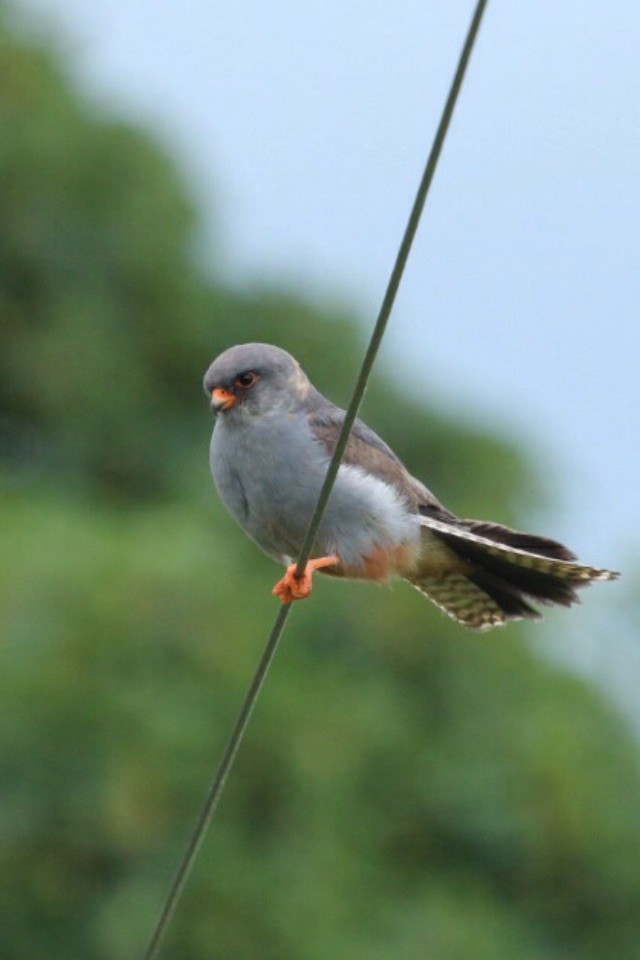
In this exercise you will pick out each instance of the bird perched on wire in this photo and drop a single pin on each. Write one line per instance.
(271, 445)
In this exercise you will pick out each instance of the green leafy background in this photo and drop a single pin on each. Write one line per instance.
(405, 789)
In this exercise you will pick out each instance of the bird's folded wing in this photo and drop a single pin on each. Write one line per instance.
(369, 453)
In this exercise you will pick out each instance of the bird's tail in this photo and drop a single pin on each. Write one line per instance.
(501, 571)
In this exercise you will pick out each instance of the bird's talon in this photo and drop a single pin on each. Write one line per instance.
(288, 588)
(298, 587)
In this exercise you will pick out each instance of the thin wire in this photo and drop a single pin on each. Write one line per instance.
(392, 289)
(235, 738)
(217, 785)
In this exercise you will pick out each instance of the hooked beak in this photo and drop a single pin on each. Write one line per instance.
(221, 400)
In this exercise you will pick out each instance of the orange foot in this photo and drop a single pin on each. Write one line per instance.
(292, 587)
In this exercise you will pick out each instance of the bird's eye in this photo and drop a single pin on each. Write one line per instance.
(245, 380)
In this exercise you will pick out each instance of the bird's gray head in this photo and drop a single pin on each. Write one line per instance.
(253, 379)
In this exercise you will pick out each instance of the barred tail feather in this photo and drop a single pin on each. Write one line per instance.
(470, 601)
(506, 569)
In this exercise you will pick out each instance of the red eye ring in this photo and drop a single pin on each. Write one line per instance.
(245, 380)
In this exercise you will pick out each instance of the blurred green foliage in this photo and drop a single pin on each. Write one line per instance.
(405, 790)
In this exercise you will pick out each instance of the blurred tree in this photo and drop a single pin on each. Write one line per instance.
(109, 322)
(405, 790)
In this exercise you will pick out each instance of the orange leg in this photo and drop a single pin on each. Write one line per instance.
(292, 587)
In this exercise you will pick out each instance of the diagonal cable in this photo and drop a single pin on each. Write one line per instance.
(391, 291)
(235, 738)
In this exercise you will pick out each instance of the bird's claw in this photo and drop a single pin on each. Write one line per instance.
(293, 587)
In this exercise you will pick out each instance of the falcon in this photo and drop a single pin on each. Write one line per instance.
(271, 446)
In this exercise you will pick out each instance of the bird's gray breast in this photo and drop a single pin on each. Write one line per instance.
(269, 472)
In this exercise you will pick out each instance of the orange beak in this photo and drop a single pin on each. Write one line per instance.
(221, 400)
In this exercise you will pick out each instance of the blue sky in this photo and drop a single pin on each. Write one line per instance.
(303, 129)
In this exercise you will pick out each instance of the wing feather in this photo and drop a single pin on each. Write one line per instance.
(368, 452)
